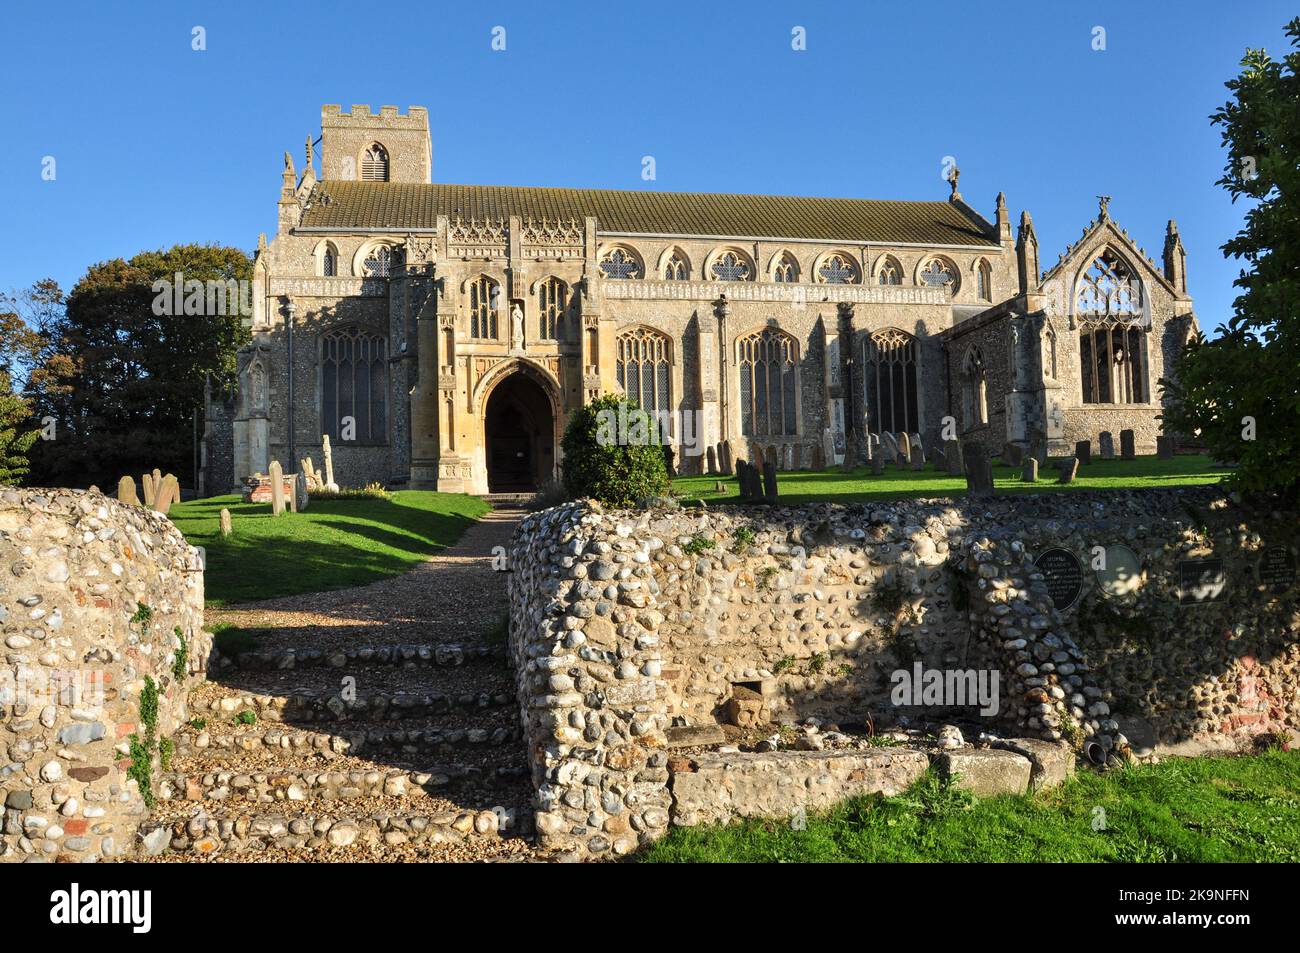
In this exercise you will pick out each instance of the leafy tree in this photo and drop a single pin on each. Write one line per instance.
(1240, 391)
(126, 368)
(612, 453)
(24, 356)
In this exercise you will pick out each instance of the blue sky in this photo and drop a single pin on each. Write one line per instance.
(157, 144)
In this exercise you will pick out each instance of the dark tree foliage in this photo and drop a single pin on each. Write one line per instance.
(612, 453)
(1239, 393)
(130, 379)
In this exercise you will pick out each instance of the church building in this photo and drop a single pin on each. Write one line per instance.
(441, 335)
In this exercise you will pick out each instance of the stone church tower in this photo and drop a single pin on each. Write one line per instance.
(441, 335)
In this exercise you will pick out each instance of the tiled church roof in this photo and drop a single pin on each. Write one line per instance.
(397, 206)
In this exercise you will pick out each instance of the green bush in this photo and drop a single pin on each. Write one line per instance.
(612, 453)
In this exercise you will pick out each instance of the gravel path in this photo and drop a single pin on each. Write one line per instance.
(454, 597)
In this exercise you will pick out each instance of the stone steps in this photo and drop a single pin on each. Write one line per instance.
(424, 655)
(311, 706)
(277, 785)
(237, 833)
(356, 740)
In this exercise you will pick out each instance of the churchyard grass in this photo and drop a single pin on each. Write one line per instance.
(859, 485)
(333, 544)
(1243, 809)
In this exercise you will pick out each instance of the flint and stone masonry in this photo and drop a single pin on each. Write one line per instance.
(623, 625)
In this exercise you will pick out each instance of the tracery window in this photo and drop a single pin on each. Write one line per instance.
(974, 389)
(732, 267)
(676, 268)
(379, 263)
(354, 385)
(620, 264)
(838, 270)
(1108, 287)
(984, 281)
(484, 302)
(889, 381)
(642, 366)
(889, 273)
(1113, 363)
(552, 300)
(768, 363)
(374, 163)
(786, 270)
(329, 265)
(940, 273)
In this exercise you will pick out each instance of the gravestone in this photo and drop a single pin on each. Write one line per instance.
(1069, 470)
(728, 460)
(1063, 574)
(938, 459)
(979, 470)
(126, 491)
(800, 457)
(1083, 450)
(711, 464)
(1277, 570)
(309, 475)
(1127, 445)
(1029, 470)
(147, 489)
(878, 464)
(226, 528)
(872, 443)
(1013, 454)
(769, 482)
(787, 462)
(904, 449)
(329, 464)
(277, 488)
(1106, 445)
(918, 458)
(1201, 581)
(166, 492)
(888, 447)
(953, 456)
(917, 445)
(294, 482)
(1165, 447)
(755, 455)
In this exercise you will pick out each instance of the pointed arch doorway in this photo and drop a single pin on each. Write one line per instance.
(519, 435)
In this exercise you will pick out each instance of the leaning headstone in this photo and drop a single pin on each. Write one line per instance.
(294, 482)
(953, 457)
(147, 489)
(769, 482)
(979, 470)
(1013, 454)
(1106, 444)
(329, 464)
(904, 449)
(726, 460)
(157, 478)
(126, 491)
(168, 492)
(1083, 450)
(277, 488)
(710, 461)
(1069, 470)
(226, 528)
(1029, 471)
(1165, 448)
(1127, 445)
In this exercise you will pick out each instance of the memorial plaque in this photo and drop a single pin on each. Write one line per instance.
(1122, 572)
(1064, 575)
(1277, 569)
(1200, 581)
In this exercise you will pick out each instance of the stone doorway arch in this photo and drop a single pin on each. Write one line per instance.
(520, 416)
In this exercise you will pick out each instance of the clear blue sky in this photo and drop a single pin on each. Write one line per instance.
(157, 144)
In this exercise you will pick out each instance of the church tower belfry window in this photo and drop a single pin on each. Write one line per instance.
(374, 163)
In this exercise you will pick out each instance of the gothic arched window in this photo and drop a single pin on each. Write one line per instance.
(889, 381)
(1108, 287)
(354, 385)
(838, 270)
(484, 302)
(940, 273)
(642, 366)
(984, 281)
(620, 264)
(732, 266)
(889, 272)
(786, 270)
(374, 163)
(974, 389)
(552, 300)
(379, 263)
(1112, 360)
(329, 261)
(676, 267)
(768, 361)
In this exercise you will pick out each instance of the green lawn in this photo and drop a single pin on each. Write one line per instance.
(813, 486)
(1196, 810)
(332, 544)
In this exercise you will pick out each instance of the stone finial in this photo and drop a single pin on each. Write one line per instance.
(954, 174)
(1103, 208)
